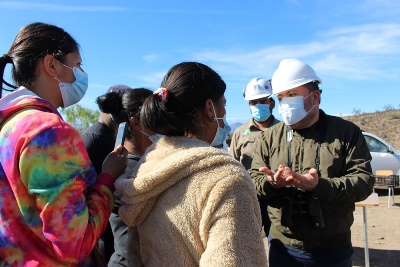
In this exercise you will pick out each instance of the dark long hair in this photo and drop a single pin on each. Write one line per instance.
(189, 85)
(123, 106)
(34, 41)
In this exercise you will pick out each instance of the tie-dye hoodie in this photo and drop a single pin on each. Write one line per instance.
(52, 209)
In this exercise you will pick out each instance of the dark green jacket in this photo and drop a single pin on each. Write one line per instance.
(345, 178)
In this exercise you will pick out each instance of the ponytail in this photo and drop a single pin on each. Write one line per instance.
(4, 60)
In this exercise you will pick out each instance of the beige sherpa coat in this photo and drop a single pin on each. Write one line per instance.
(193, 205)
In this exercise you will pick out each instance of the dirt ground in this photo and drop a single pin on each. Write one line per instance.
(383, 232)
(383, 226)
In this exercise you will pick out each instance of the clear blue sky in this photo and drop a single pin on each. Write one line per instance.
(354, 46)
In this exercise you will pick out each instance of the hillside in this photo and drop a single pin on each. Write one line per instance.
(385, 124)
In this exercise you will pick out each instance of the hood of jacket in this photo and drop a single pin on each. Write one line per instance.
(165, 163)
(19, 100)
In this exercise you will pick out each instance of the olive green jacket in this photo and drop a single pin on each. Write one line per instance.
(244, 142)
(345, 177)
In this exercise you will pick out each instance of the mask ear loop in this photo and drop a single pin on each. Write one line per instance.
(312, 106)
(63, 64)
(215, 114)
(56, 78)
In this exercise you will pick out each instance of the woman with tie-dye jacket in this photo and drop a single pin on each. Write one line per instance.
(52, 207)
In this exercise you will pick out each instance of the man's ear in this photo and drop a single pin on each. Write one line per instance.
(317, 96)
(208, 109)
(272, 104)
(49, 66)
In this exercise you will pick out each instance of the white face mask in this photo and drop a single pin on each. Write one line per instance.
(221, 133)
(292, 109)
(153, 138)
(72, 93)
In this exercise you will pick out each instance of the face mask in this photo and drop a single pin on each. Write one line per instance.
(72, 93)
(292, 109)
(221, 133)
(260, 112)
(153, 138)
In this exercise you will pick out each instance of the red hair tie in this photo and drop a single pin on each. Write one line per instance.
(162, 94)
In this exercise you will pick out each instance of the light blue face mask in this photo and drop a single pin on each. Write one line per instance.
(260, 112)
(153, 138)
(72, 93)
(222, 133)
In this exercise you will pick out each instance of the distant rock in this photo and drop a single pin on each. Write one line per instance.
(235, 125)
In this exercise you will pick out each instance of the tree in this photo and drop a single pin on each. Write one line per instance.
(80, 117)
(388, 107)
(356, 111)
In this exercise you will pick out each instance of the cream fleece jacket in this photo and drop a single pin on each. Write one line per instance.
(191, 205)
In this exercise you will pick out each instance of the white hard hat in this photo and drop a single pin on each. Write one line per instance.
(257, 88)
(292, 73)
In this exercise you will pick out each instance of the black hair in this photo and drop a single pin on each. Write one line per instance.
(35, 41)
(189, 85)
(4, 60)
(123, 106)
(313, 86)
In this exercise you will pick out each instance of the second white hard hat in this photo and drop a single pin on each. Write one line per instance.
(292, 73)
(257, 88)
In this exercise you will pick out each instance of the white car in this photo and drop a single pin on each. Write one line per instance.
(384, 155)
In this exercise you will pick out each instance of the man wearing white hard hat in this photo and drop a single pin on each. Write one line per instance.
(312, 168)
(245, 137)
